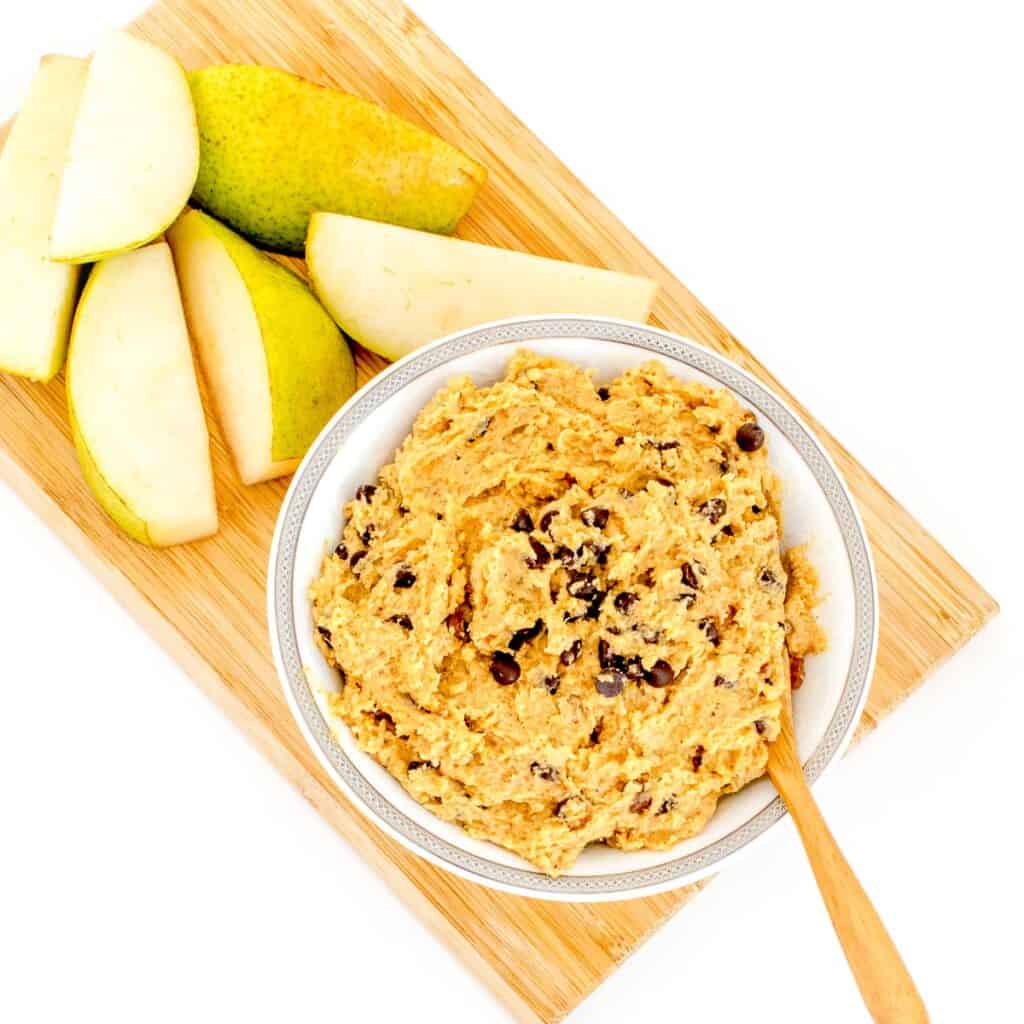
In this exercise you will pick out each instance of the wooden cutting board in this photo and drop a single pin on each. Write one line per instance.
(205, 603)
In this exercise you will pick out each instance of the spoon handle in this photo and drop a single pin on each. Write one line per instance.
(885, 983)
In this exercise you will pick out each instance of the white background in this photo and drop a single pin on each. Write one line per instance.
(841, 184)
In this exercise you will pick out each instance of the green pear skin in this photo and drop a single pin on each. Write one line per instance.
(277, 365)
(274, 148)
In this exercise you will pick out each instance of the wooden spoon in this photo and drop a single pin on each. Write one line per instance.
(883, 979)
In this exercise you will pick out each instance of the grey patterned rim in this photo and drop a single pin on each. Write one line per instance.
(282, 588)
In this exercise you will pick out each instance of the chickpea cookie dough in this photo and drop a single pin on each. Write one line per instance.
(562, 616)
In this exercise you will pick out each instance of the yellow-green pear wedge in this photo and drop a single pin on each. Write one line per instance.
(277, 365)
(37, 297)
(275, 147)
(134, 153)
(133, 398)
(394, 290)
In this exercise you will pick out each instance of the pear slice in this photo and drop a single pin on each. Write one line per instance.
(277, 365)
(37, 297)
(394, 290)
(274, 147)
(136, 415)
(134, 153)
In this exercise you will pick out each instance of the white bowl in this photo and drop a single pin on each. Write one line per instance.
(363, 436)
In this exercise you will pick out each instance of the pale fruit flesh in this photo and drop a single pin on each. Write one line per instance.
(275, 147)
(393, 289)
(134, 153)
(134, 401)
(277, 365)
(37, 296)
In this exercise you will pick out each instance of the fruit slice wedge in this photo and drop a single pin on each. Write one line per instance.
(133, 398)
(277, 365)
(134, 153)
(36, 296)
(394, 290)
(274, 147)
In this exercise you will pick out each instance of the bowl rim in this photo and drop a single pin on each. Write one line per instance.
(386, 815)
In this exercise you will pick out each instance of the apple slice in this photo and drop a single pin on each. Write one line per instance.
(134, 153)
(394, 289)
(37, 297)
(136, 415)
(276, 363)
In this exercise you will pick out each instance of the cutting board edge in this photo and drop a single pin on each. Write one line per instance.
(227, 701)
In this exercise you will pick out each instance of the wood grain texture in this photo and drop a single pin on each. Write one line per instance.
(205, 603)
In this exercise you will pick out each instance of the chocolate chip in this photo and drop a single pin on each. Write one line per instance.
(689, 576)
(727, 530)
(541, 556)
(547, 519)
(564, 555)
(458, 622)
(401, 620)
(402, 510)
(714, 428)
(605, 657)
(667, 805)
(325, 633)
(604, 394)
(796, 672)
(357, 558)
(610, 683)
(727, 684)
(581, 585)
(647, 579)
(595, 733)
(766, 577)
(594, 608)
(404, 579)
(524, 636)
(367, 535)
(756, 509)
(571, 653)
(698, 758)
(566, 617)
(416, 765)
(641, 803)
(750, 437)
(504, 668)
(383, 717)
(660, 674)
(625, 601)
(544, 771)
(760, 727)
(723, 462)
(710, 631)
(713, 509)
(665, 446)
(619, 441)
(523, 522)
(366, 493)
(551, 684)
(341, 552)
(595, 516)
